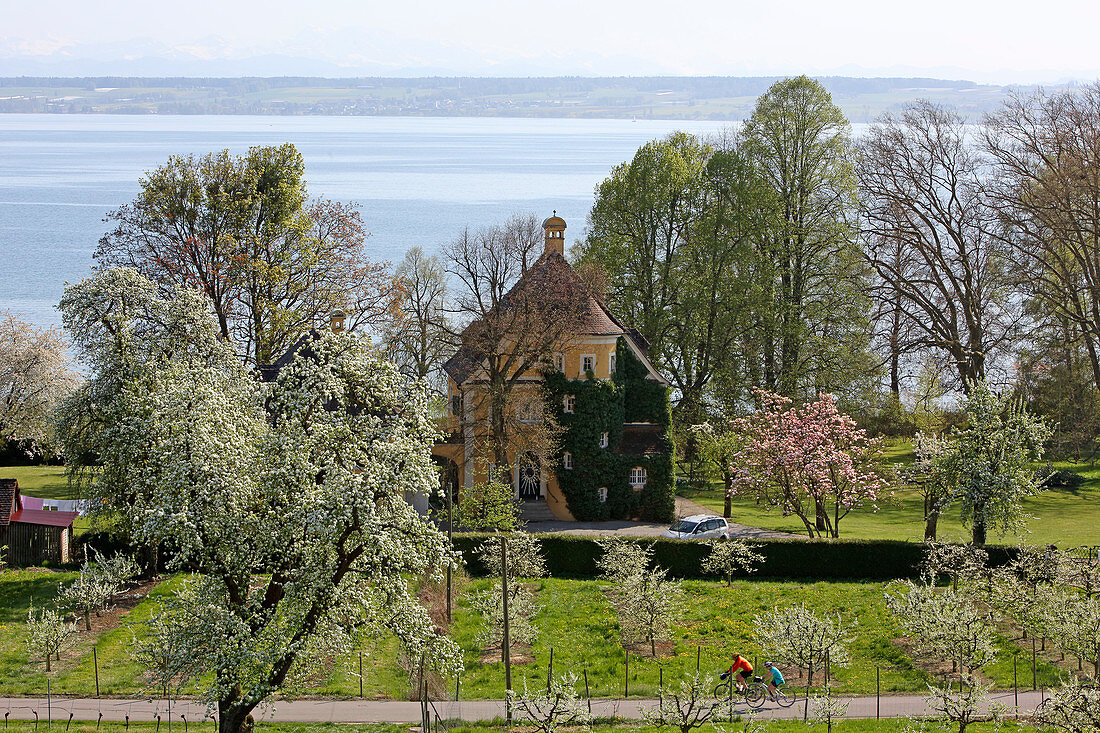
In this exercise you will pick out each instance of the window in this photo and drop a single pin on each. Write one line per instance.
(568, 403)
(637, 477)
(603, 440)
(528, 412)
(602, 494)
(611, 364)
(567, 461)
(456, 405)
(559, 362)
(588, 363)
(491, 473)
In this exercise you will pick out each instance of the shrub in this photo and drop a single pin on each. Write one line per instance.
(572, 556)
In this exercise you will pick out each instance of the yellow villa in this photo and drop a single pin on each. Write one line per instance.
(613, 459)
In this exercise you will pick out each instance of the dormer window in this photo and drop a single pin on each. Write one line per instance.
(588, 363)
(603, 440)
(568, 403)
(567, 461)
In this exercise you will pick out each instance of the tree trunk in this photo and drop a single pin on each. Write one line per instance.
(234, 716)
(930, 525)
(727, 507)
(87, 620)
(979, 532)
(820, 512)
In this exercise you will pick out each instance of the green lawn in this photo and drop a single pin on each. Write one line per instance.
(46, 482)
(576, 622)
(1063, 517)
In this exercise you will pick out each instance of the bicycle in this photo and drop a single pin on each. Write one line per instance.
(754, 693)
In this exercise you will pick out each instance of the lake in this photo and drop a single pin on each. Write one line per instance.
(417, 180)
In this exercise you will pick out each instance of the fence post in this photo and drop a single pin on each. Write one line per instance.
(878, 693)
(1034, 684)
(698, 657)
(458, 679)
(95, 663)
(49, 705)
(1015, 683)
(360, 674)
(626, 677)
(587, 693)
(550, 671)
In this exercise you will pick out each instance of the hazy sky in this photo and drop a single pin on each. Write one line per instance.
(998, 41)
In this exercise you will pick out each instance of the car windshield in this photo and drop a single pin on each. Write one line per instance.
(684, 526)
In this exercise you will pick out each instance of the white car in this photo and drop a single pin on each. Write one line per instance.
(699, 527)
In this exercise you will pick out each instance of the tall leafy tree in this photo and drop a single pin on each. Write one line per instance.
(243, 231)
(812, 321)
(285, 501)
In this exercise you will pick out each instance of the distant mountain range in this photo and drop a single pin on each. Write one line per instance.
(664, 97)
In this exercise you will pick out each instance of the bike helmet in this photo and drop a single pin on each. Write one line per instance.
(769, 664)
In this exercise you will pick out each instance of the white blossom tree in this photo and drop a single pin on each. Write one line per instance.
(944, 625)
(285, 499)
(35, 376)
(965, 706)
(97, 584)
(48, 634)
(689, 706)
(728, 557)
(1073, 708)
(522, 608)
(799, 637)
(647, 602)
(547, 710)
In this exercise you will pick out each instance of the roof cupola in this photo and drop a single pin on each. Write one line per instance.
(554, 230)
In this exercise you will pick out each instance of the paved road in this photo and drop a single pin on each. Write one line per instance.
(390, 711)
(684, 508)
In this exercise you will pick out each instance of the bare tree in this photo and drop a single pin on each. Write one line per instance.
(1047, 193)
(34, 379)
(926, 222)
(418, 341)
(517, 314)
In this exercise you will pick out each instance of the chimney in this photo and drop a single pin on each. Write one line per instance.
(336, 321)
(554, 230)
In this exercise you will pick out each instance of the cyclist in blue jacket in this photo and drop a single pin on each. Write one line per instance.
(777, 679)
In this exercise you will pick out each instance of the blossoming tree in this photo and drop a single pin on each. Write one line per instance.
(808, 460)
(284, 500)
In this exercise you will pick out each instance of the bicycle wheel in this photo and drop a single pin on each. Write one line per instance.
(755, 694)
(784, 699)
(722, 691)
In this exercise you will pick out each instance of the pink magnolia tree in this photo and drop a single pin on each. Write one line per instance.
(809, 460)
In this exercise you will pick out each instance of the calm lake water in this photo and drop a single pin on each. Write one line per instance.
(418, 181)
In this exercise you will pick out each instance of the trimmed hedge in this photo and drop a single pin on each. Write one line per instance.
(572, 556)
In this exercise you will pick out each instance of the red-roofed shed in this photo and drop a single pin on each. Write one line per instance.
(33, 536)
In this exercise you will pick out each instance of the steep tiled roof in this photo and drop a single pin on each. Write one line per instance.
(551, 273)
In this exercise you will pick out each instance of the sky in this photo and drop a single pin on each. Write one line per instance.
(999, 42)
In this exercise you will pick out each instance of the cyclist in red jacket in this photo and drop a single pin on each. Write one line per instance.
(742, 668)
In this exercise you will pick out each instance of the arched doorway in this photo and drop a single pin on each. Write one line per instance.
(529, 478)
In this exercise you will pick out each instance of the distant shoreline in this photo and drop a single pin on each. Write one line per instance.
(644, 98)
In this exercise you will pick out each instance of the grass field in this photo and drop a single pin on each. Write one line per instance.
(1063, 517)
(576, 622)
(46, 482)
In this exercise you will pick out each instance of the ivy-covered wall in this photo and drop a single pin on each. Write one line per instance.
(603, 406)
